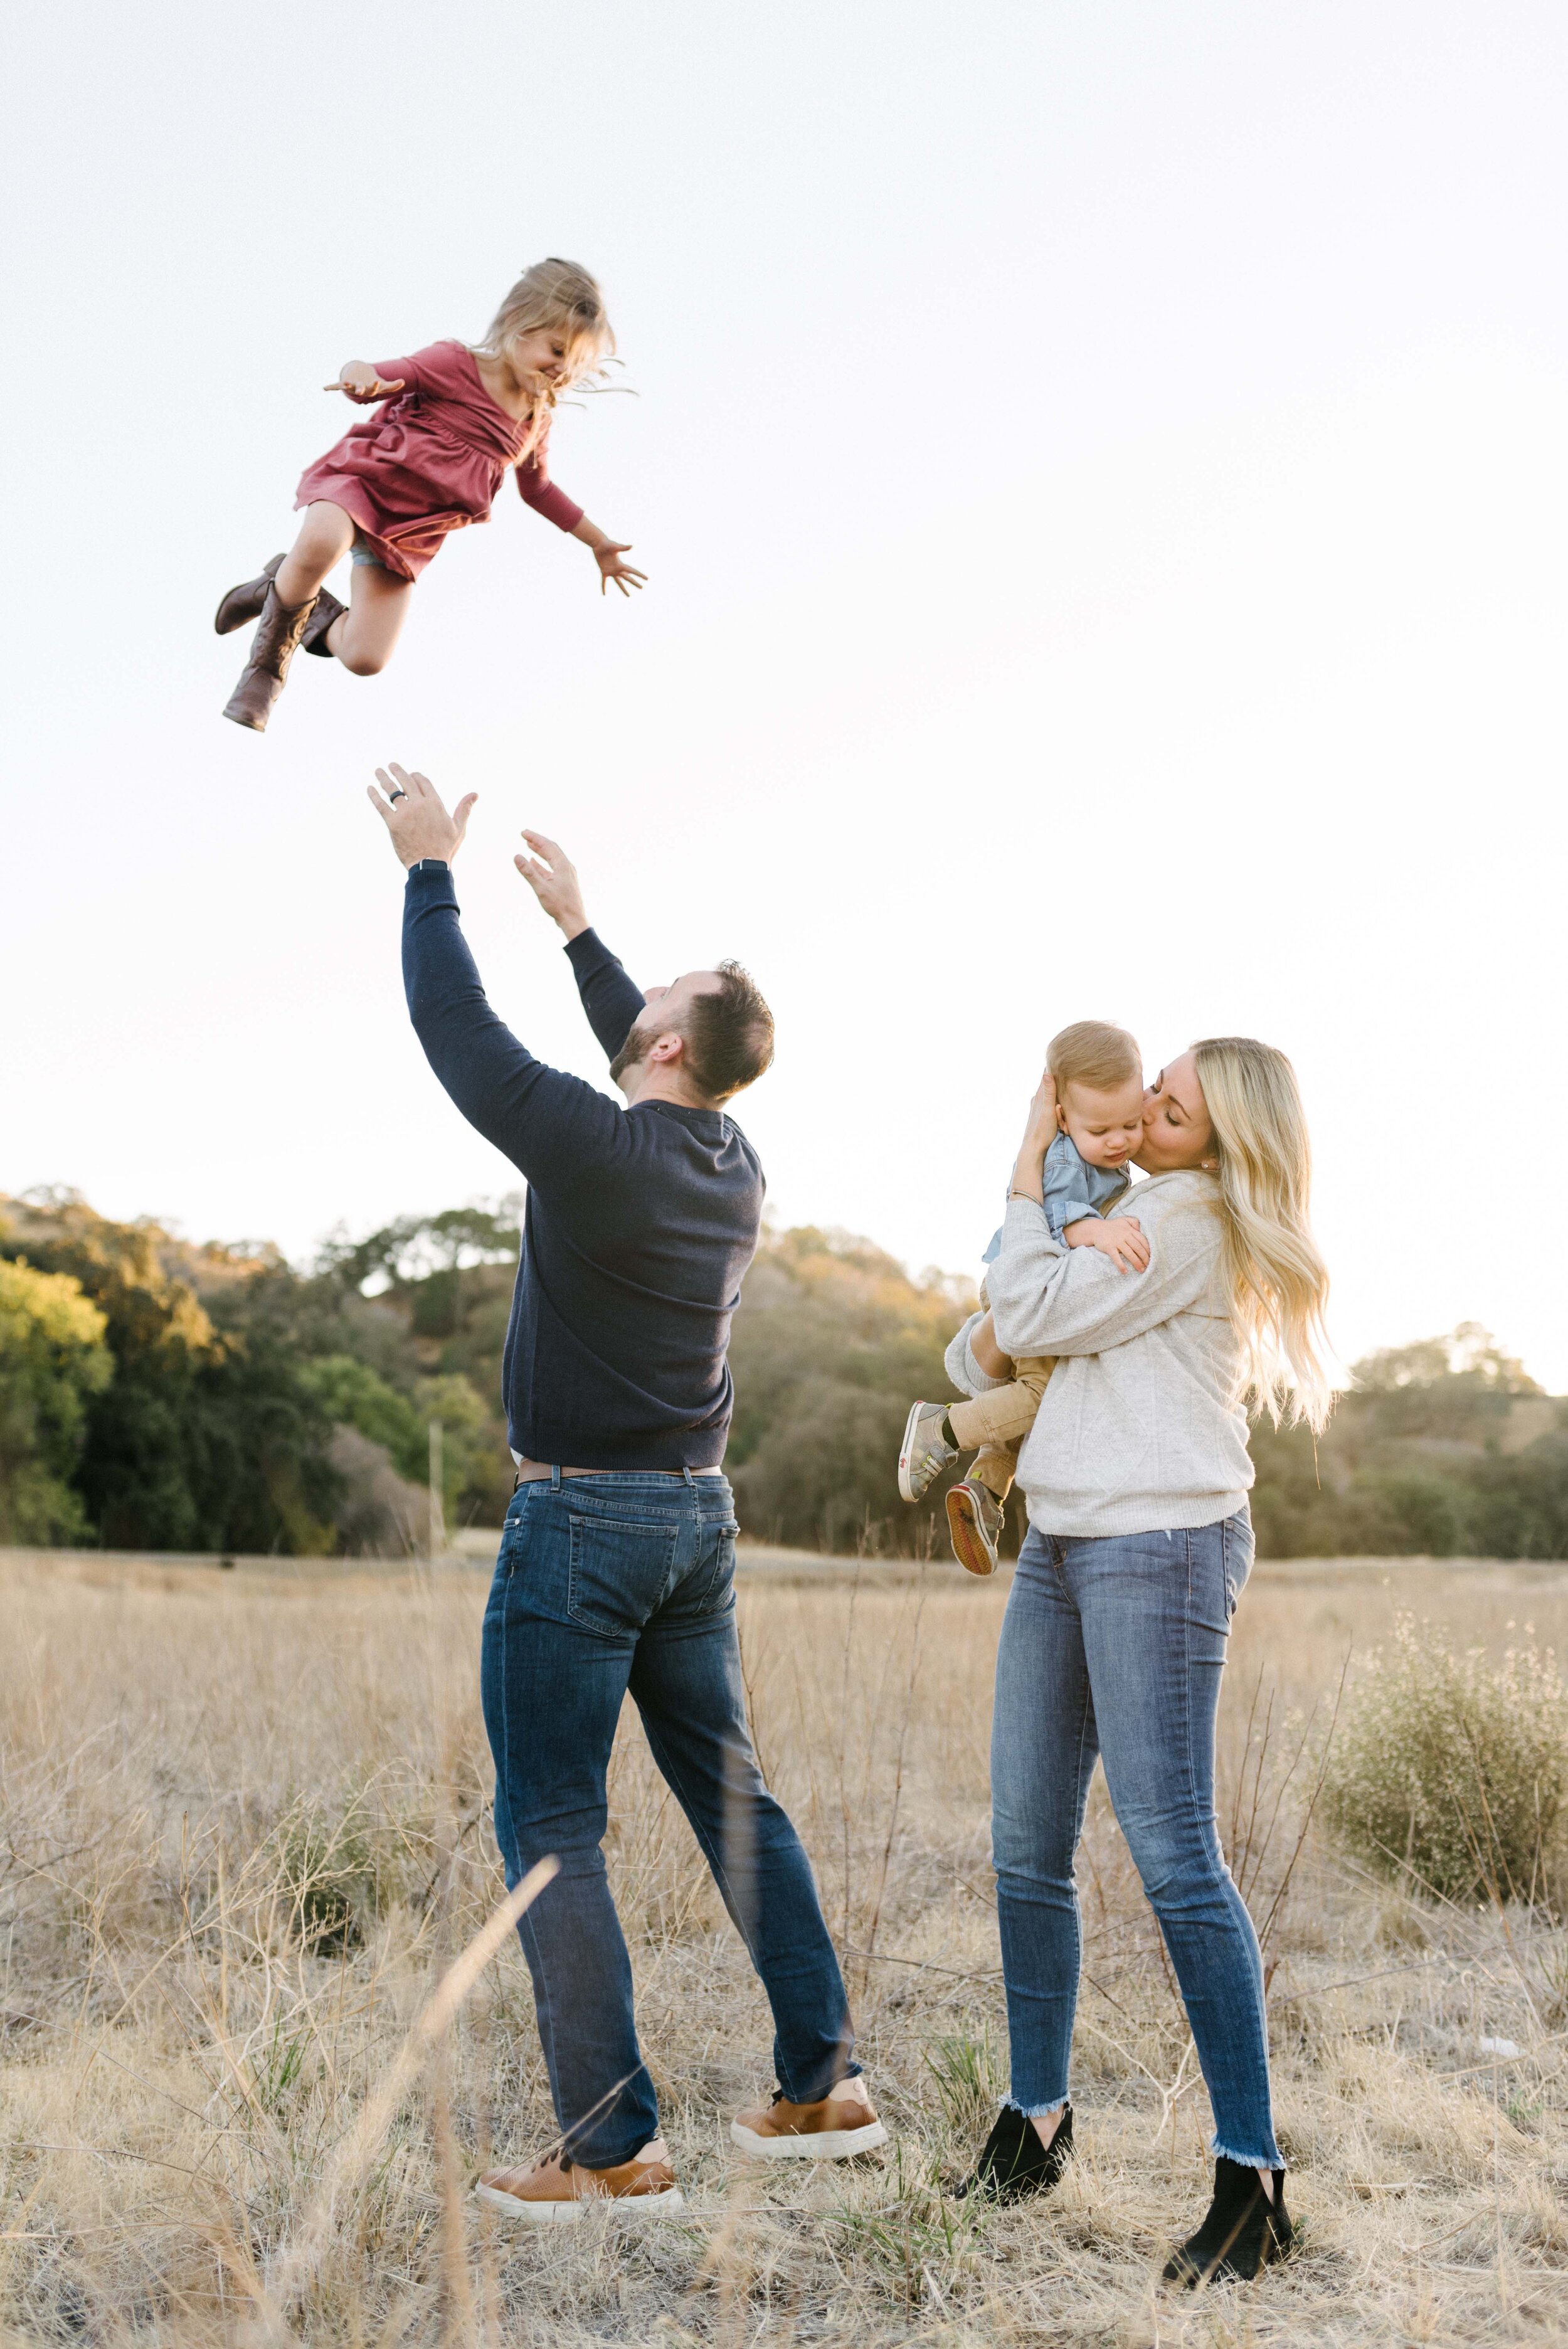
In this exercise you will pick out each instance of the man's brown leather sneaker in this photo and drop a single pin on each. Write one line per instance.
(559, 2188)
(831, 2130)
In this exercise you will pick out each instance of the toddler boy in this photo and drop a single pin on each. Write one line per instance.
(1098, 1075)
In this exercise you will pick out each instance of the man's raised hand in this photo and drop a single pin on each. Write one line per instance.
(552, 877)
(414, 814)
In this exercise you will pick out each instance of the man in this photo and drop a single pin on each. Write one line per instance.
(617, 1564)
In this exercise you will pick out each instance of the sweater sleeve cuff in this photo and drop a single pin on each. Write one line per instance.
(1027, 1220)
(586, 952)
(430, 884)
(961, 1365)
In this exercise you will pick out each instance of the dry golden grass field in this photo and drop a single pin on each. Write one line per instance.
(246, 1826)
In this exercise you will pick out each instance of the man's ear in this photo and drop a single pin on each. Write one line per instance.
(667, 1048)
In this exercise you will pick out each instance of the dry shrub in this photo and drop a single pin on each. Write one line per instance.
(337, 1876)
(1453, 1770)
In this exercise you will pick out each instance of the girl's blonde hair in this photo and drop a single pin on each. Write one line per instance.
(1278, 1280)
(562, 295)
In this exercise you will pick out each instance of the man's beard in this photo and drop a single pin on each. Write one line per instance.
(629, 1053)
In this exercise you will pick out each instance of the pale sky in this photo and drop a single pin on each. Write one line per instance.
(1100, 471)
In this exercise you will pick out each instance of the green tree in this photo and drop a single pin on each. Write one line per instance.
(203, 1438)
(53, 1360)
(446, 1280)
(353, 1395)
(1445, 1447)
(468, 1431)
(832, 1343)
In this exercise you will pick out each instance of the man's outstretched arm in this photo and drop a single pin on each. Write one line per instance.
(610, 998)
(551, 1125)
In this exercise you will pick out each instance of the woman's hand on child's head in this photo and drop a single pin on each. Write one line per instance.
(608, 558)
(1120, 1237)
(360, 381)
(1029, 1166)
(1041, 1130)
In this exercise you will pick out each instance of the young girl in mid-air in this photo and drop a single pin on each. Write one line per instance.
(457, 418)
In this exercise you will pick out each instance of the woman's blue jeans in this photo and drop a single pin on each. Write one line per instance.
(1115, 1649)
(607, 1585)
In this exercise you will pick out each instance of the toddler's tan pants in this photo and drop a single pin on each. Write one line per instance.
(999, 1420)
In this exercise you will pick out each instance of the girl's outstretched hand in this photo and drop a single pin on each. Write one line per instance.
(360, 380)
(608, 558)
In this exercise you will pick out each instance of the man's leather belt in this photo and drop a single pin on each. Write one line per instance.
(529, 1471)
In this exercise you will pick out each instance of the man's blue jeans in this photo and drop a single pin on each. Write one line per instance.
(606, 1584)
(1115, 1649)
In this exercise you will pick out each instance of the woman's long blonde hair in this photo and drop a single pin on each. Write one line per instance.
(564, 295)
(1278, 1280)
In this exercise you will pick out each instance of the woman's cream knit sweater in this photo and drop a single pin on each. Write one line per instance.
(1139, 1428)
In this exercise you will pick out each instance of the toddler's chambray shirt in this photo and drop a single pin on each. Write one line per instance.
(1073, 1188)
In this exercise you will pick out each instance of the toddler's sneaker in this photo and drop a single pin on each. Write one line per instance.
(927, 1451)
(561, 2189)
(974, 1521)
(831, 2130)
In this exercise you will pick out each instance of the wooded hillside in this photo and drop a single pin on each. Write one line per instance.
(156, 1394)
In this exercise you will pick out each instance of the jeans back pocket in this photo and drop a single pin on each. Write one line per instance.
(712, 1579)
(620, 1568)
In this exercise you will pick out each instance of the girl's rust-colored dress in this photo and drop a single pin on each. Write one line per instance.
(430, 462)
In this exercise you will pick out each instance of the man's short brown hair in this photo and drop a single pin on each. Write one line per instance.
(1092, 1053)
(729, 1034)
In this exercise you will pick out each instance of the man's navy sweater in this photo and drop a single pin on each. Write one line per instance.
(639, 1224)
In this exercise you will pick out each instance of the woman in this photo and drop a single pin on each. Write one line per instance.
(1136, 1473)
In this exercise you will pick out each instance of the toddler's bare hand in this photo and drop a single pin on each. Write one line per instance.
(1121, 1239)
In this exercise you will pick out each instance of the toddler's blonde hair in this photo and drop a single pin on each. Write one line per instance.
(1277, 1277)
(1092, 1053)
(564, 295)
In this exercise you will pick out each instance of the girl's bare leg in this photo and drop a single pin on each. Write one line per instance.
(325, 537)
(378, 603)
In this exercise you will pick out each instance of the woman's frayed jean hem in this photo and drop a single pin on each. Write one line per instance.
(1034, 2112)
(1272, 2159)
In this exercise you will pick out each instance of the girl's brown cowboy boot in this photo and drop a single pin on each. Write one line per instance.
(327, 610)
(278, 632)
(244, 602)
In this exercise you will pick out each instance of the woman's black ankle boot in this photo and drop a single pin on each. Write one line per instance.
(1242, 2234)
(1015, 2163)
